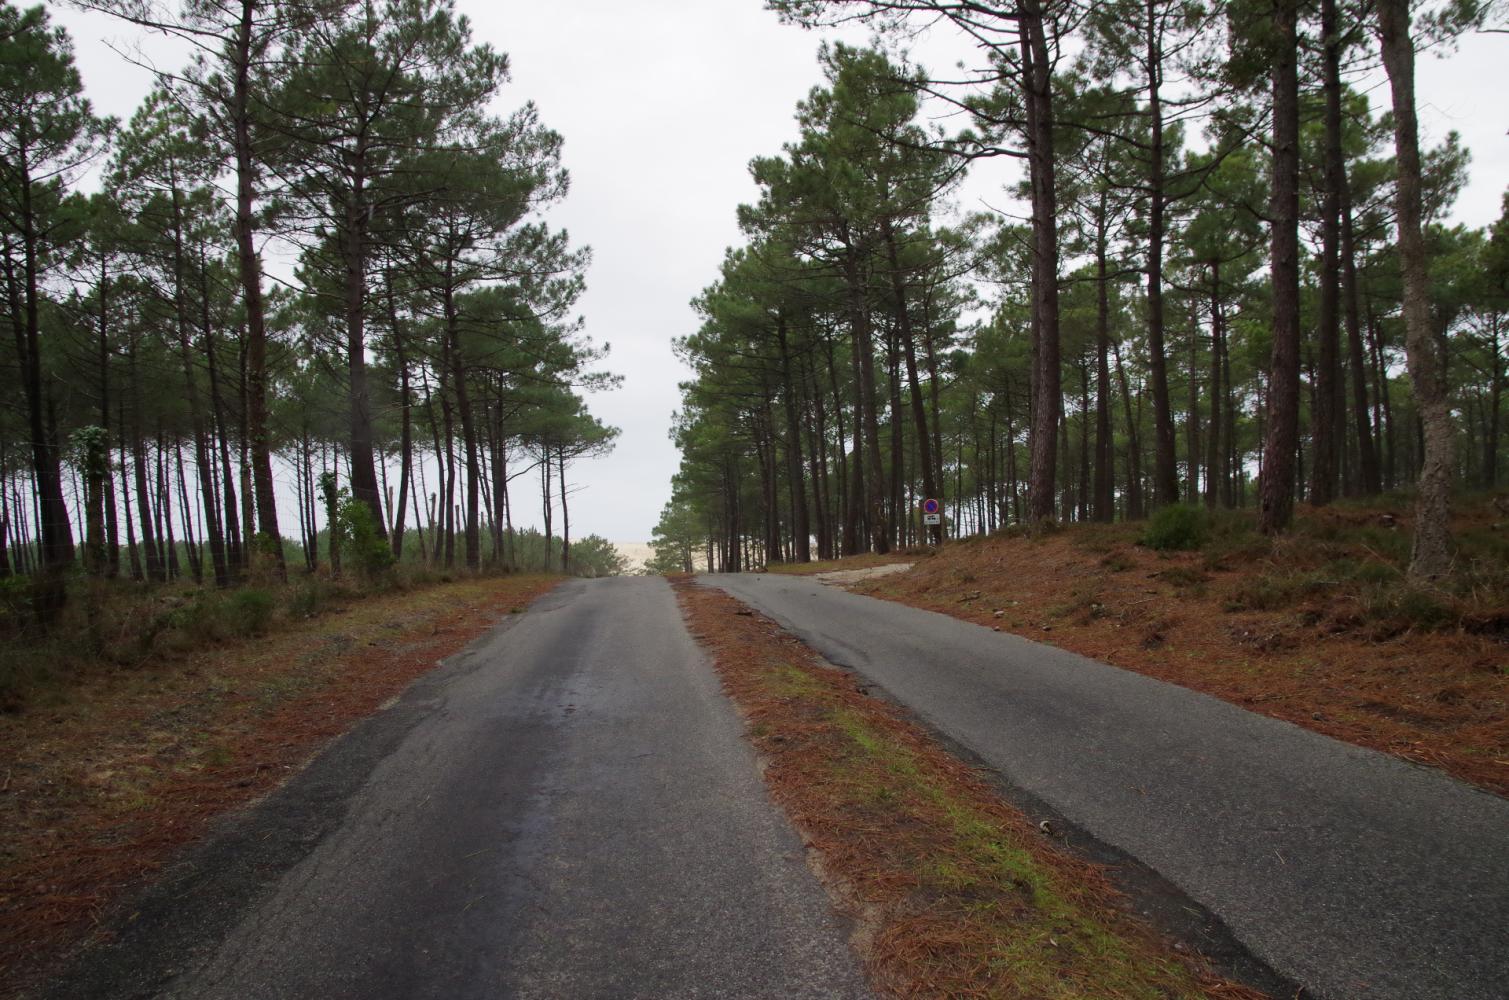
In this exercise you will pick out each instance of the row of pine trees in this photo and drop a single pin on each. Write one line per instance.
(1234, 286)
(311, 271)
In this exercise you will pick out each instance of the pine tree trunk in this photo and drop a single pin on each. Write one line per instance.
(565, 515)
(817, 438)
(898, 457)
(468, 429)
(234, 556)
(1495, 414)
(164, 507)
(151, 553)
(1105, 473)
(1430, 557)
(1013, 486)
(1037, 75)
(1215, 465)
(1134, 443)
(251, 289)
(919, 411)
(1165, 457)
(1369, 474)
(1235, 485)
(843, 544)
(202, 462)
(855, 515)
(406, 430)
(1192, 413)
(545, 502)
(56, 534)
(1282, 440)
(191, 544)
(125, 488)
(800, 528)
(864, 349)
(1326, 425)
(112, 528)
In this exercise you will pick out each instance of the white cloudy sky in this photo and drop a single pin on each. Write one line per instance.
(662, 104)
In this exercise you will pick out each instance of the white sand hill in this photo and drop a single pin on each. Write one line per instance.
(637, 554)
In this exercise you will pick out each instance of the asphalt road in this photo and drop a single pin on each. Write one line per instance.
(1351, 873)
(567, 809)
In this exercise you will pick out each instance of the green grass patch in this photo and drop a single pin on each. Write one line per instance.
(1044, 933)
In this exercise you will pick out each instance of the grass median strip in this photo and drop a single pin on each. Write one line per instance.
(954, 891)
(103, 786)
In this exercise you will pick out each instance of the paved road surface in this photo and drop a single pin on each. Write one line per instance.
(1351, 873)
(572, 811)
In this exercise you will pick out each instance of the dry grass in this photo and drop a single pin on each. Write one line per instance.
(102, 788)
(956, 893)
(1317, 628)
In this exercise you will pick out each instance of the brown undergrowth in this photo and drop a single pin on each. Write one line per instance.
(1318, 628)
(101, 789)
(955, 892)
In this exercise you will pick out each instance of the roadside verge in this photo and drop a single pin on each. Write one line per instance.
(954, 891)
(105, 788)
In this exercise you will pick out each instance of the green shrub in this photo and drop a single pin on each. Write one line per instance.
(1388, 543)
(249, 611)
(313, 595)
(1085, 604)
(1101, 539)
(1183, 576)
(1117, 561)
(1404, 607)
(1374, 572)
(1045, 528)
(15, 604)
(1178, 527)
(370, 552)
(304, 600)
(1233, 541)
(1269, 592)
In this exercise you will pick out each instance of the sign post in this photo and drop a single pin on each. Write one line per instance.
(932, 516)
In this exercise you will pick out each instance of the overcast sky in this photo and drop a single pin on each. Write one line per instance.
(662, 104)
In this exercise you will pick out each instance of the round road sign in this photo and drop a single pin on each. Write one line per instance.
(930, 506)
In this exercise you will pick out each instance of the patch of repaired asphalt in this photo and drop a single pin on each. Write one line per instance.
(846, 577)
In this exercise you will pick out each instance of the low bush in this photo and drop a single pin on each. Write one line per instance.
(1117, 561)
(1183, 576)
(1178, 527)
(1369, 571)
(1236, 553)
(1405, 607)
(306, 598)
(1272, 591)
(1084, 605)
(1101, 539)
(249, 611)
(15, 604)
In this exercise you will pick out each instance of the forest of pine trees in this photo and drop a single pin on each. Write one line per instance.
(1233, 285)
(309, 282)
